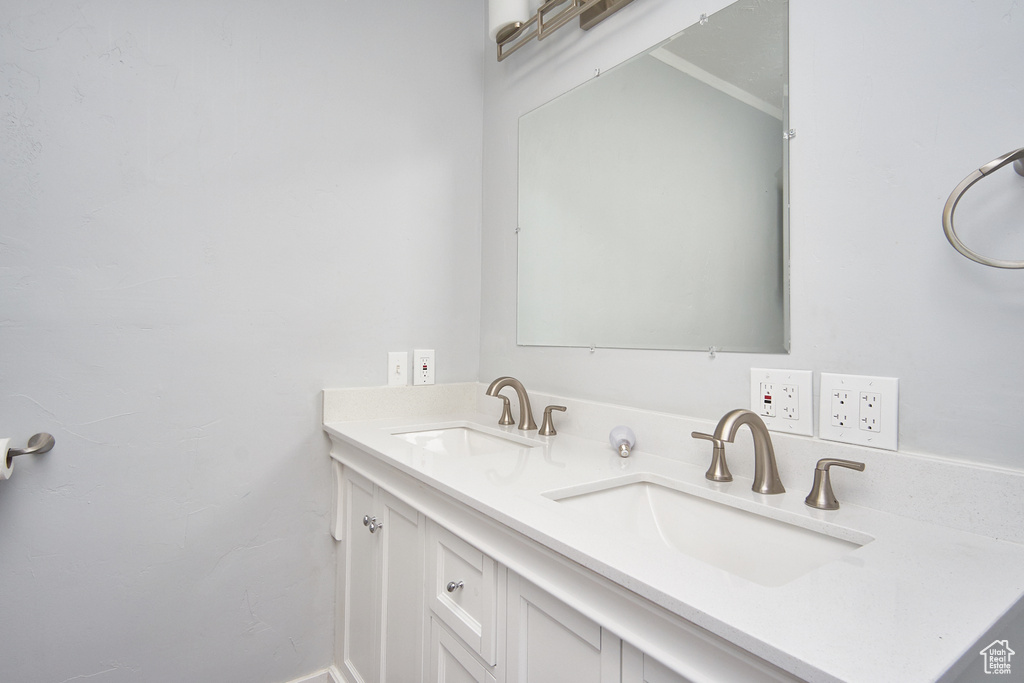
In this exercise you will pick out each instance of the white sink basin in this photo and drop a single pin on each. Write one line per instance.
(757, 548)
(464, 441)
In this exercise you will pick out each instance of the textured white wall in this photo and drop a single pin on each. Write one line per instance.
(209, 211)
(893, 105)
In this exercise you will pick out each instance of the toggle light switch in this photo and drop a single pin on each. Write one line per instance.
(398, 368)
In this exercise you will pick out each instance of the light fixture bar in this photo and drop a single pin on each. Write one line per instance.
(548, 26)
(597, 11)
(546, 21)
(516, 36)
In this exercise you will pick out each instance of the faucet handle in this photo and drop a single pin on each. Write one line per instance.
(719, 469)
(506, 411)
(547, 427)
(821, 495)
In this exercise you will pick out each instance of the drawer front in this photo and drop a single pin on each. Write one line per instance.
(463, 590)
(451, 662)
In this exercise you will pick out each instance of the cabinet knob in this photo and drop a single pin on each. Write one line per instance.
(372, 524)
(452, 586)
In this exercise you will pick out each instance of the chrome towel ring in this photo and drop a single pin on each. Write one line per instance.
(1017, 158)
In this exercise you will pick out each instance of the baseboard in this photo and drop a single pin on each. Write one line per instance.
(328, 675)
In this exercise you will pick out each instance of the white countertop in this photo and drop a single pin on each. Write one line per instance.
(903, 607)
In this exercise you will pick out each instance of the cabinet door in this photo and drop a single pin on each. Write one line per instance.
(402, 609)
(549, 642)
(360, 645)
(450, 661)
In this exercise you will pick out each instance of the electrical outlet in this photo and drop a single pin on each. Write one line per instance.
(787, 401)
(860, 410)
(782, 398)
(766, 400)
(870, 411)
(398, 368)
(423, 366)
(842, 414)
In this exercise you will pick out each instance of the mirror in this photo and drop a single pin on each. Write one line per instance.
(653, 198)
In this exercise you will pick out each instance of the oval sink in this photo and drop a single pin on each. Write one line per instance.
(766, 551)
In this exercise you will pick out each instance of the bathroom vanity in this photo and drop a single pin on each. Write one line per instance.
(477, 552)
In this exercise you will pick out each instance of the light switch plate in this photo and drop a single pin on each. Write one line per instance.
(783, 399)
(398, 368)
(859, 409)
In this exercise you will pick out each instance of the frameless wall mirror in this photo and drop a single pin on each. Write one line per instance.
(653, 198)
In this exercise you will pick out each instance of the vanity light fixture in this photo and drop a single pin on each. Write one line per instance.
(510, 34)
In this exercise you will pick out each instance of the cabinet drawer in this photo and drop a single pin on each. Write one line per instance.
(451, 662)
(463, 590)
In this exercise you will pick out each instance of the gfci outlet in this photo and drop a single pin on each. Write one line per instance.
(423, 366)
(860, 410)
(782, 398)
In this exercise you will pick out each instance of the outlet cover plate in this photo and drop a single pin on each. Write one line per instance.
(783, 399)
(859, 409)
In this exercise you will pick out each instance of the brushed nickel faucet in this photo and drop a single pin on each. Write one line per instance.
(821, 495)
(719, 469)
(526, 422)
(547, 426)
(766, 471)
(506, 411)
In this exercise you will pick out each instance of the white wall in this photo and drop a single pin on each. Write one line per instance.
(894, 105)
(209, 211)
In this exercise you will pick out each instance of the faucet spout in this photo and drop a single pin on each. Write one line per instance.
(526, 422)
(766, 471)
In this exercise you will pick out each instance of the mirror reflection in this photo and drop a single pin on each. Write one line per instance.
(652, 199)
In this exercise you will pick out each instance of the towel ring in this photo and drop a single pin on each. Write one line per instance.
(1017, 158)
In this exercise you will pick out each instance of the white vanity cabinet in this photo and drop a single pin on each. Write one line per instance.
(382, 586)
(548, 547)
(433, 591)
